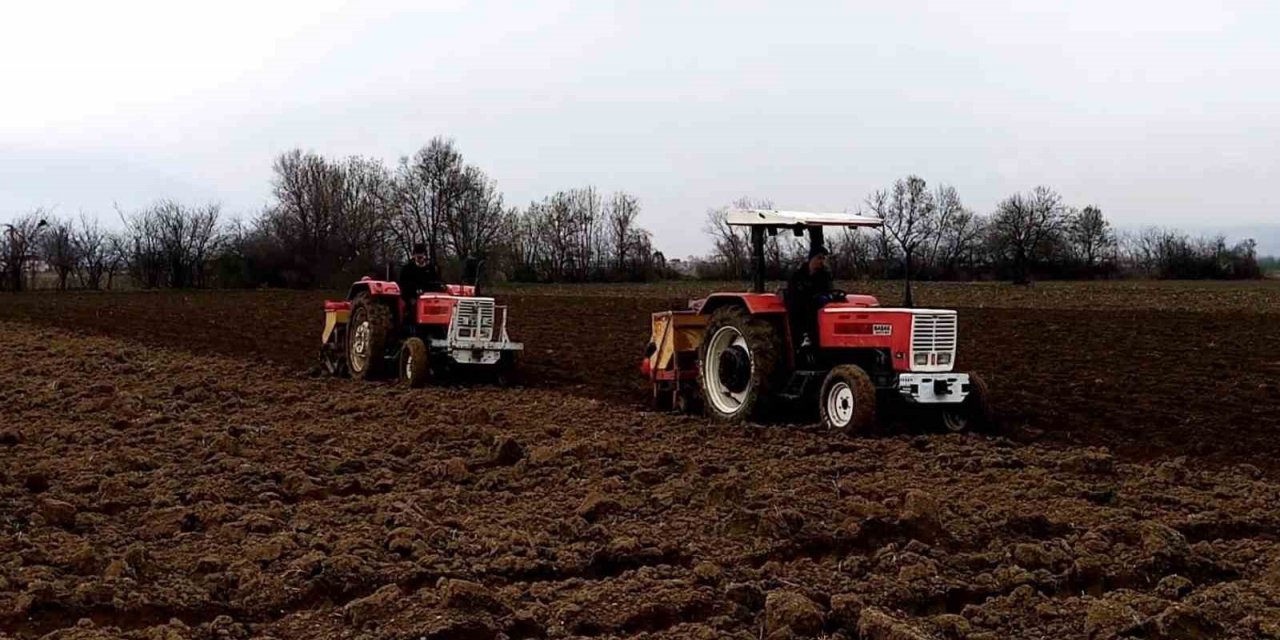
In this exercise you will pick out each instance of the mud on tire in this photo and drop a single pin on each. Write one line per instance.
(367, 337)
(847, 402)
(739, 366)
(415, 364)
(975, 413)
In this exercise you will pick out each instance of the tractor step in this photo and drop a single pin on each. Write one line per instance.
(802, 384)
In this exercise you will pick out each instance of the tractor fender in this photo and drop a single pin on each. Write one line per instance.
(755, 303)
(373, 287)
(765, 304)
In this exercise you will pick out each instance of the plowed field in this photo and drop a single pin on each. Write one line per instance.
(170, 467)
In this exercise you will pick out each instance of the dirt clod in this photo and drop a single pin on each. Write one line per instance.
(506, 451)
(58, 513)
(1107, 619)
(379, 604)
(846, 609)
(794, 611)
(597, 506)
(464, 594)
(877, 624)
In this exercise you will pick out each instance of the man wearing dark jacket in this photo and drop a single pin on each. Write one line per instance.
(417, 277)
(809, 288)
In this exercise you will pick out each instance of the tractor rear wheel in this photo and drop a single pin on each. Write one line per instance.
(367, 337)
(415, 365)
(739, 364)
(848, 400)
(974, 414)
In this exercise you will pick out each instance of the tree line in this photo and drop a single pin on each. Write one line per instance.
(331, 221)
(929, 233)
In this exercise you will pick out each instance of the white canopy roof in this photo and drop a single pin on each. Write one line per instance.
(774, 218)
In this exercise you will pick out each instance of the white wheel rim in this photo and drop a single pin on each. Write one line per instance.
(360, 346)
(840, 404)
(408, 367)
(718, 393)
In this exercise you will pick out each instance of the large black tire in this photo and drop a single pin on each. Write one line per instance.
(739, 380)
(975, 413)
(508, 372)
(367, 337)
(415, 363)
(848, 400)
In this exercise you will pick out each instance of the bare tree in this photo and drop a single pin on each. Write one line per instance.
(586, 232)
(308, 194)
(360, 232)
(328, 217)
(621, 212)
(780, 249)
(429, 185)
(1024, 225)
(950, 211)
(552, 222)
(93, 245)
(58, 250)
(732, 244)
(170, 243)
(961, 241)
(117, 257)
(1090, 235)
(19, 241)
(910, 218)
(475, 220)
(852, 252)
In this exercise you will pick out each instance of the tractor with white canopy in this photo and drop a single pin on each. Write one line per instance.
(733, 353)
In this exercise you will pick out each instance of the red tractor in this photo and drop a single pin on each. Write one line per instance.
(734, 354)
(455, 331)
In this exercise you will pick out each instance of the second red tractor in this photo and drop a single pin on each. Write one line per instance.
(734, 353)
(373, 333)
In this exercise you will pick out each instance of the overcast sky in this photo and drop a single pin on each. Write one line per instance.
(1159, 112)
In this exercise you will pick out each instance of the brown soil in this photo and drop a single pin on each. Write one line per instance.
(183, 475)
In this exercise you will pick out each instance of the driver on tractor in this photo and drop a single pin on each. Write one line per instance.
(417, 277)
(809, 288)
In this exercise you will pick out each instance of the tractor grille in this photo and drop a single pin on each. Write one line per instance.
(933, 335)
(475, 320)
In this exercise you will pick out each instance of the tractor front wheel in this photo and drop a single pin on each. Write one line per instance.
(367, 337)
(739, 364)
(508, 370)
(848, 400)
(974, 414)
(415, 366)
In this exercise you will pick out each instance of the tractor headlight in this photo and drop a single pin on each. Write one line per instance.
(922, 359)
(944, 358)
